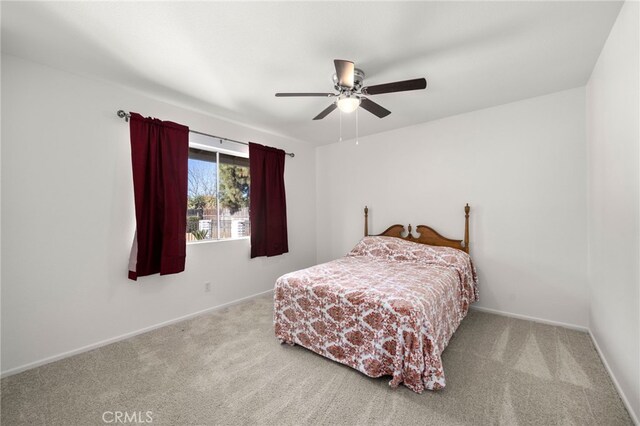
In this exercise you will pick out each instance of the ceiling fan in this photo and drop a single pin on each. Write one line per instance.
(348, 82)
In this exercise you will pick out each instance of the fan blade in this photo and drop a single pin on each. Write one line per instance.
(288, 95)
(397, 86)
(326, 111)
(374, 108)
(344, 71)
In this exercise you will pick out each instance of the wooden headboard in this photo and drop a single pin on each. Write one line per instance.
(427, 235)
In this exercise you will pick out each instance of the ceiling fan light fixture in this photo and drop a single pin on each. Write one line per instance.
(348, 104)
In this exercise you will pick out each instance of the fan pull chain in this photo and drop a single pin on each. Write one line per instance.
(357, 125)
(340, 140)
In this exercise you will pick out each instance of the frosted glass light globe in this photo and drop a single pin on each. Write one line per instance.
(348, 104)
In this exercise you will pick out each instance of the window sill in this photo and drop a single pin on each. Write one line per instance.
(189, 243)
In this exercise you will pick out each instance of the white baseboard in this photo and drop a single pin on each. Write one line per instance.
(529, 318)
(625, 400)
(105, 342)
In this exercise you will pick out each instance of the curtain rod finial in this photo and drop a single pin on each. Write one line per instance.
(123, 114)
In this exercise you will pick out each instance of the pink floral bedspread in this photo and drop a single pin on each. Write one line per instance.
(389, 307)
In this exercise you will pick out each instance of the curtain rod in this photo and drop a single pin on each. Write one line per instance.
(126, 116)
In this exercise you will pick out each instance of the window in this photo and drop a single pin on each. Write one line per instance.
(218, 195)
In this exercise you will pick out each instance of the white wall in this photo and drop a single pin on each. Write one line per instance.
(614, 197)
(521, 167)
(68, 219)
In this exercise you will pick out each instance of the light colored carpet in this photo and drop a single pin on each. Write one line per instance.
(227, 368)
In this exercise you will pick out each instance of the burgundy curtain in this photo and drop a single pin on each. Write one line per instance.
(159, 155)
(268, 207)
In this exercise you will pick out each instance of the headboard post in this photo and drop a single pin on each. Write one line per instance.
(466, 227)
(366, 221)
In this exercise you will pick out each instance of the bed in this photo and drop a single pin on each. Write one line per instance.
(387, 308)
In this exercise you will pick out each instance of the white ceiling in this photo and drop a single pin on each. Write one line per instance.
(229, 58)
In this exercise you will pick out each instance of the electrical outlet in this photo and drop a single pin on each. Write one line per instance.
(207, 286)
